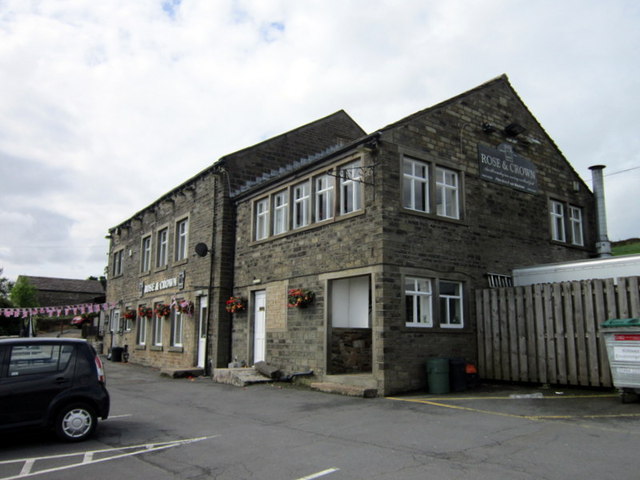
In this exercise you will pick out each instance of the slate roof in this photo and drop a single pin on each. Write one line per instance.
(50, 284)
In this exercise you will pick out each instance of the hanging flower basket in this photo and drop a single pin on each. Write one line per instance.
(185, 307)
(300, 298)
(163, 310)
(129, 314)
(235, 305)
(145, 312)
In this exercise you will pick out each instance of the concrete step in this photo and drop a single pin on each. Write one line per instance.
(342, 389)
(239, 377)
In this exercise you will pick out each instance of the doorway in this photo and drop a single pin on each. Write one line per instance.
(260, 326)
(202, 331)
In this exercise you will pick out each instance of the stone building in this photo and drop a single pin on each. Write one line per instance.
(171, 263)
(66, 291)
(393, 234)
(390, 232)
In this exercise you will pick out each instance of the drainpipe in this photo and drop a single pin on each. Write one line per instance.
(603, 245)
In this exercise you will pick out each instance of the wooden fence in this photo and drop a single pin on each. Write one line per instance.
(550, 333)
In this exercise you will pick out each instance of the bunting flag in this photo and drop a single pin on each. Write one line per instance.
(56, 311)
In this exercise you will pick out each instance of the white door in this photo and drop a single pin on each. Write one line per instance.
(115, 328)
(202, 331)
(260, 326)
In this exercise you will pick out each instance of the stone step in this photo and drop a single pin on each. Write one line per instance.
(342, 389)
(239, 377)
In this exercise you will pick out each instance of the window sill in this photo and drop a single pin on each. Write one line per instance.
(156, 348)
(433, 216)
(178, 263)
(141, 347)
(176, 349)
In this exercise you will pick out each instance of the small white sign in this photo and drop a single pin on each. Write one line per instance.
(626, 354)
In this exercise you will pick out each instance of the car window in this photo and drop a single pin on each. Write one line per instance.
(33, 359)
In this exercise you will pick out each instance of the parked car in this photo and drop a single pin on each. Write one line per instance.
(55, 383)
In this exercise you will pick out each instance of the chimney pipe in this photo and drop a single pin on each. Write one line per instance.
(603, 245)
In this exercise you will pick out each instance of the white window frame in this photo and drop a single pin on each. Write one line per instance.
(302, 204)
(556, 214)
(575, 222)
(447, 193)
(261, 219)
(156, 332)
(182, 238)
(162, 257)
(350, 188)
(280, 212)
(117, 263)
(415, 182)
(115, 321)
(176, 328)
(447, 301)
(324, 185)
(145, 258)
(141, 334)
(419, 302)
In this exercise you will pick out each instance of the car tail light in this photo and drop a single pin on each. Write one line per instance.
(100, 369)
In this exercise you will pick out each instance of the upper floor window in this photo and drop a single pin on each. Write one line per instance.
(182, 228)
(575, 220)
(324, 197)
(557, 221)
(280, 212)
(350, 188)
(415, 191)
(117, 263)
(447, 193)
(163, 245)
(421, 181)
(319, 198)
(262, 219)
(301, 205)
(145, 259)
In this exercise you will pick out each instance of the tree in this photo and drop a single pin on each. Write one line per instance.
(23, 294)
(5, 288)
(8, 326)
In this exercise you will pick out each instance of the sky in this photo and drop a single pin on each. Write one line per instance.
(107, 105)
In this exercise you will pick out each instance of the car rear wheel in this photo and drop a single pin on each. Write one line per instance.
(75, 422)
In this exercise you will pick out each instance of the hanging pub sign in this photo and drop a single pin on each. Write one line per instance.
(502, 165)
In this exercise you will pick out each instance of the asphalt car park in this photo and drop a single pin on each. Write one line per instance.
(162, 428)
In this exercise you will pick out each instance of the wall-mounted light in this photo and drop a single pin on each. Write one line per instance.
(513, 129)
(488, 128)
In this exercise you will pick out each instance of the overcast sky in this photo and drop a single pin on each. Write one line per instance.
(106, 105)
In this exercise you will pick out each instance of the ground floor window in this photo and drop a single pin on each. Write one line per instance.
(450, 294)
(350, 302)
(418, 302)
(157, 330)
(430, 302)
(141, 335)
(176, 329)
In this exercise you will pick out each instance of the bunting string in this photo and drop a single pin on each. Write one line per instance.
(56, 311)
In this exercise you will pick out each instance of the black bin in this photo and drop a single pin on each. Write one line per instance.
(116, 354)
(458, 374)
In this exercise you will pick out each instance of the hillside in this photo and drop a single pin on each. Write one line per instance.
(626, 247)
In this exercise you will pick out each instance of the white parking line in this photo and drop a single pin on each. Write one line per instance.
(88, 457)
(319, 474)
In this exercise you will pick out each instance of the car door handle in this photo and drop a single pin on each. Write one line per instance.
(61, 380)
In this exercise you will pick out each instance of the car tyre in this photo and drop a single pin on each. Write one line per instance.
(75, 422)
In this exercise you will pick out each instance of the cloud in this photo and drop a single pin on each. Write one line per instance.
(107, 105)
